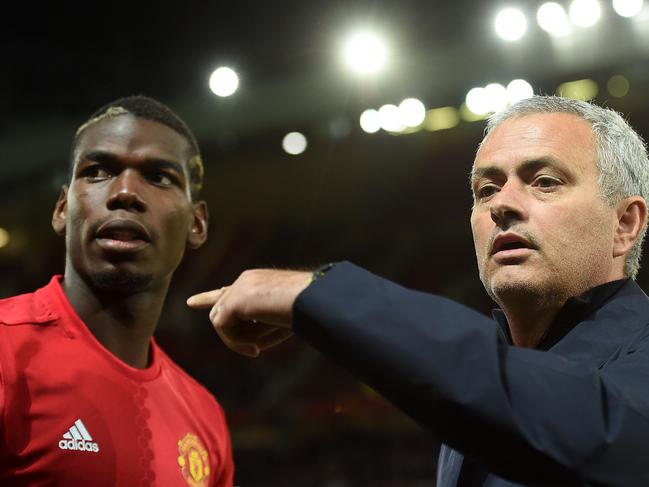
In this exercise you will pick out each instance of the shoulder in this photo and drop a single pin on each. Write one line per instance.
(28, 308)
(627, 309)
(631, 295)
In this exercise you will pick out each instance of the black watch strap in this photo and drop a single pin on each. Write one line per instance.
(321, 271)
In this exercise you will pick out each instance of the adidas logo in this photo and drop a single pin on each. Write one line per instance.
(78, 438)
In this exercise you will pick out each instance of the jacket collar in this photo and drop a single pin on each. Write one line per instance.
(594, 323)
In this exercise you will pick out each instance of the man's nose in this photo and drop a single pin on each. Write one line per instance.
(125, 192)
(508, 205)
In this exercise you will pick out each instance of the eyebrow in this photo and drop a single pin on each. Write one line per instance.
(528, 165)
(153, 162)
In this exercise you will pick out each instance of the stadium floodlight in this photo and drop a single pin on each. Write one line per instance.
(412, 112)
(585, 13)
(365, 53)
(519, 89)
(553, 19)
(497, 96)
(477, 101)
(628, 8)
(294, 143)
(390, 118)
(224, 81)
(510, 24)
(370, 121)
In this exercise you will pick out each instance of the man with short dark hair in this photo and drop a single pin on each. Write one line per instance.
(555, 390)
(86, 394)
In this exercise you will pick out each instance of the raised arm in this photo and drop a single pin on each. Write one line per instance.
(529, 416)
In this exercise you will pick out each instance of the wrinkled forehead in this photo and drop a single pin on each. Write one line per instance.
(560, 136)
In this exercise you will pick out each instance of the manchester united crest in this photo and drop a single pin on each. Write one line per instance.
(193, 461)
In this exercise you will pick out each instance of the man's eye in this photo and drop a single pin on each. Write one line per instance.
(486, 191)
(95, 173)
(546, 182)
(161, 179)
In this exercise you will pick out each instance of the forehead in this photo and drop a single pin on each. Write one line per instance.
(560, 136)
(130, 136)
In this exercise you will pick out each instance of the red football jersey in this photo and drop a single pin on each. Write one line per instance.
(74, 414)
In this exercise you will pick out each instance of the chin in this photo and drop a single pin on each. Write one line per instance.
(504, 291)
(511, 284)
(121, 282)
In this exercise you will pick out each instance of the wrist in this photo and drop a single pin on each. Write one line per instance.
(321, 271)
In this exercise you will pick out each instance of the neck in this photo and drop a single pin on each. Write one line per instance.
(530, 314)
(123, 323)
(528, 324)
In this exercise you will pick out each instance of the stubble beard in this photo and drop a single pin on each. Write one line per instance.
(534, 291)
(121, 277)
(121, 282)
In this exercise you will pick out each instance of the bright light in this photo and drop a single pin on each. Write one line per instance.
(583, 89)
(627, 8)
(4, 237)
(390, 118)
(497, 96)
(553, 19)
(585, 13)
(477, 101)
(519, 89)
(365, 53)
(412, 112)
(618, 86)
(510, 24)
(370, 121)
(441, 118)
(224, 81)
(294, 143)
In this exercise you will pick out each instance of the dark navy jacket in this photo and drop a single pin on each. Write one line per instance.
(577, 414)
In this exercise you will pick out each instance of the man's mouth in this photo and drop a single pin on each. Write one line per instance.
(121, 235)
(511, 245)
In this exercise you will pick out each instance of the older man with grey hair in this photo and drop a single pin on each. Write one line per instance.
(555, 390)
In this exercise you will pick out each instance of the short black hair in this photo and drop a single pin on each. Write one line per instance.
(147, 108)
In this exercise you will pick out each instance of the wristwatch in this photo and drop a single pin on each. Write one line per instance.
(321, 271)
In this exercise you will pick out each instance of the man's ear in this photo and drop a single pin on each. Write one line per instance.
(198, 231)
(632, 218)
(60, 211)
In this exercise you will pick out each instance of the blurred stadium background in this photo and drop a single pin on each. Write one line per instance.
(366, 178)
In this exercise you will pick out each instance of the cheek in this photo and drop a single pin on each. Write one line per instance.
(176, 223)
(580, 230)
(481, 228)
(82, 204)
(77, 213)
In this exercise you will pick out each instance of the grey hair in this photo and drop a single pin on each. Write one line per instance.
(621, 153)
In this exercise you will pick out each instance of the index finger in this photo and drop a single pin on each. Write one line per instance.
(204, 300)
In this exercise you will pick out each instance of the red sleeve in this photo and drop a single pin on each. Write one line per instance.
(2, 393)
